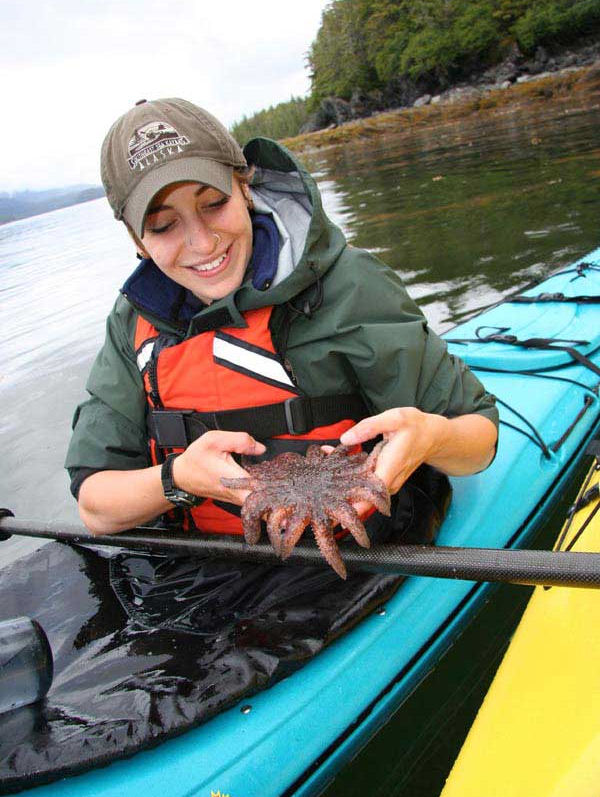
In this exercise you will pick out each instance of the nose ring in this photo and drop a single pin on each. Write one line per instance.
(214, 234)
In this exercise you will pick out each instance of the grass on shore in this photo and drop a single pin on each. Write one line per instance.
(560, 86)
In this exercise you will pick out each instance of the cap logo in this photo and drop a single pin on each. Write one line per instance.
(153, 143)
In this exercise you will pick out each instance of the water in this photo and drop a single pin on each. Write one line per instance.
(59, 275)
(467, 212)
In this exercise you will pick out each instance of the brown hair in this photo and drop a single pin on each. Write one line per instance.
(244, 174)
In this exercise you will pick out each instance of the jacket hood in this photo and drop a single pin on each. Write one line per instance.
(310, 244)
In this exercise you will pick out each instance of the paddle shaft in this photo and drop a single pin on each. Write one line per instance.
(548, 568)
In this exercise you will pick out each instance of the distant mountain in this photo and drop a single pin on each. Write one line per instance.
(21, 204)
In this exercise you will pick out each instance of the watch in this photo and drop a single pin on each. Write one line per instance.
(173, 493)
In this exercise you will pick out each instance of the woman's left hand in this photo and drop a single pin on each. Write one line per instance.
(410, 436)
(458, 446)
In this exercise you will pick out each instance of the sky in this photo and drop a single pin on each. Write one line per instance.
(69, 68)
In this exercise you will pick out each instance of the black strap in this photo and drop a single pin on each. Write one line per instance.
(295, 416)
(585, 498)
(548, 344)
(213, 319)
(554, 297)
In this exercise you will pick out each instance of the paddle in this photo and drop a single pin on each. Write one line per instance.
(548, 568)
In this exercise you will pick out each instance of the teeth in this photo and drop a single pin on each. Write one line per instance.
(212, 265)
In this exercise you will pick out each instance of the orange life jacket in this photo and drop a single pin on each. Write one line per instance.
(231, 378)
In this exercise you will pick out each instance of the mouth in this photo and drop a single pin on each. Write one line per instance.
(214, 267)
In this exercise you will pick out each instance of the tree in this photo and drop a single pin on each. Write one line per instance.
(338, 56)
(557, 21)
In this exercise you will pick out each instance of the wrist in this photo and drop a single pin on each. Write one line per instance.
(439, 432)
(174, 491)
(178, 471)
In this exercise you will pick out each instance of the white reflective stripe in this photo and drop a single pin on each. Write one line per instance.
(251, 361)
(145, 353)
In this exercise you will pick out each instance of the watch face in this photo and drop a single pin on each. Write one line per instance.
(181, 498)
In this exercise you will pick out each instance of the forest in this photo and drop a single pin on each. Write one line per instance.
(366, 46)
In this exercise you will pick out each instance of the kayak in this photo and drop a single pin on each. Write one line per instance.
(542, 711)
(539, 354)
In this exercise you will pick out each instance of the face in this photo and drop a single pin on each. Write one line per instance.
(200, 237)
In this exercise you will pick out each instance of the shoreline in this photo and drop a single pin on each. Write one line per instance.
(528, 92)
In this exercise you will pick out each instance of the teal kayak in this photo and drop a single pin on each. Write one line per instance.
(539, 353)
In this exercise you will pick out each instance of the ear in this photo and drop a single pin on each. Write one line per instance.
(141, 251)
(247, 196)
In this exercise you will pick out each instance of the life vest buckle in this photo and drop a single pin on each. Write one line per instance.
(169, 427)
(298, 415)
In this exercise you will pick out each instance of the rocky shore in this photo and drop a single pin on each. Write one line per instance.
(402, 94)
(511, 87)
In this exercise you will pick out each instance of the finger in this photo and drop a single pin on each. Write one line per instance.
(399, 478)
(392, 474)
(368, 428)
(395, 457)
(234, 442)
(237, 497)
(374, 455)
(327, 449)
(236, 483)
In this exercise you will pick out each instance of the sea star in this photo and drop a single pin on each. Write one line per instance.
(292, 491)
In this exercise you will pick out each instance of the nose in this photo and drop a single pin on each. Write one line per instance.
(200, 238)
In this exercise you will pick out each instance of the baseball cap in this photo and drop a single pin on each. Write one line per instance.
(161, 142)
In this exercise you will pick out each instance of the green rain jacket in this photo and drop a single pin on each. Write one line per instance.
(366, 335)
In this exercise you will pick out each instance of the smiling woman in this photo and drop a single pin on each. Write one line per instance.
(249, 327)
(200, 237)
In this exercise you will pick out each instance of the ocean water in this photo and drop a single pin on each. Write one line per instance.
(59, 275)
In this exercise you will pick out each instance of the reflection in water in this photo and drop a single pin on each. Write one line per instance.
(469, 210)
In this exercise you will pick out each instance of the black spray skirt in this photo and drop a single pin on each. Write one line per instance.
(146, 646)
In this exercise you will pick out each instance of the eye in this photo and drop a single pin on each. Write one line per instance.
(159, 228)
(218, 203)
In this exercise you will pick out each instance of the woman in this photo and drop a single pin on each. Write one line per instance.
(249, 308)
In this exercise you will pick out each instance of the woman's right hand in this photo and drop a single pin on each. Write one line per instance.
(199, 469)
(114, 500)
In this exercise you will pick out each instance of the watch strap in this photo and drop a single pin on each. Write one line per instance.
(171, 492)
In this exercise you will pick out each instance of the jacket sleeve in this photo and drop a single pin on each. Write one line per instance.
(378, 332)
(109, 429)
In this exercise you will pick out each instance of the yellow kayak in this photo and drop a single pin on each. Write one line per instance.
(538, 729)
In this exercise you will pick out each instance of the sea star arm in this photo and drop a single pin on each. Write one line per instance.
(277, 517)
(375, 492)
(252, 510)
(295, 528)
(345, 514)
(326, 543)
